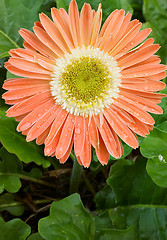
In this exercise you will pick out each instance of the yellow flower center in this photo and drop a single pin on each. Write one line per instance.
(85, 81)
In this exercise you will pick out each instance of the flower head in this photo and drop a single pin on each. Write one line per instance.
(85, 85)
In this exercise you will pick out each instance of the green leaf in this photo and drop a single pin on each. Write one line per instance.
(68, 220)
(140, 202)
(15, 229)
(108, 234)
(105, 198)
(109, 6)
(157, 169)
(18, 14)
(15, 142)
(155, 144)
(132, 185)
(149, 221)
(155, 14)
(162, 127)
(105, 231)
(9, 167)
(6, 43)
(35, 236)
(8, 203)
(11, 170)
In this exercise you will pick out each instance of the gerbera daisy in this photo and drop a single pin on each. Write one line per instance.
(85, 85)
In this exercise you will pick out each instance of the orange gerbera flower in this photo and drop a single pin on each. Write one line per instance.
(84, 85)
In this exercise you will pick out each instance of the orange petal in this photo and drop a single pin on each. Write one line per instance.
(67, 154)
(112, 29)
(41, 138)
(42, 123)
(64, 13)
(22, 73)
(107, 137)
(63, 26)
(145, 94)
(48, 41)
(23, 93)
(29, 104)
(102, 153)
(138, 56)
(138, 38)
(145, 85)
(32, 39)
(96, 25)
(66, 136)
(86, 24)
(33, 116)
(85, 155)
(53, 32)
(79, 134)
(106, 23)
(120, 33)
(120, 128)
(57, 124)
(38, 24)
(141, 102)
(28, 46)
(74, 22)
(127, 38)
(143, 70)
(157, 76)
(22, 83)
(50, 149)
(138, 127)
(27, 66)
(93, 134)
(136, 111)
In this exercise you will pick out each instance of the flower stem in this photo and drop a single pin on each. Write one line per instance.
(75, 176)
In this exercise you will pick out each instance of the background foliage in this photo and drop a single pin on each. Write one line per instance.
(126, 200)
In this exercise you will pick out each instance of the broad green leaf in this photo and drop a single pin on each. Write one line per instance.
(6, 43)
(68, 220)
(155, 14)
(109, 6)
(157, 169)
(8, 203)
(108, 234)
(106, 231)
(15, 142)
(35, 236)
(132, 185)
(149, 221)
(155, 144)
(15, 229)
(162, 127)
(11, 170)
(18, 14)
(105, 198)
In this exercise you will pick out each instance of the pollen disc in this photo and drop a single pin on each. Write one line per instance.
(85, 81)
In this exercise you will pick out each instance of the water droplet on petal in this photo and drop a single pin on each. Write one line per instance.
(77, 130)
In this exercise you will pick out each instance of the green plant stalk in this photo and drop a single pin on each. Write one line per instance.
(27, 178)
(17, 204)
(75, 176)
